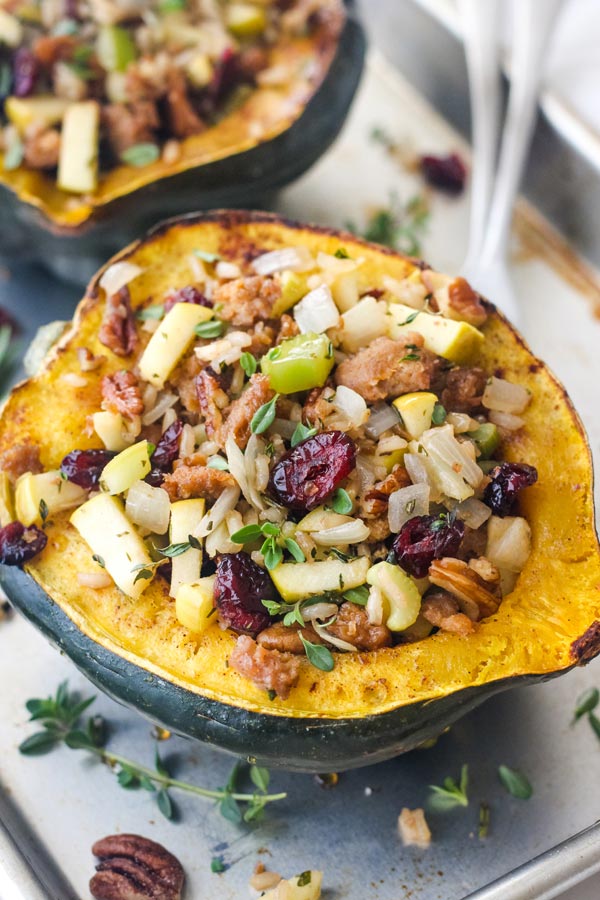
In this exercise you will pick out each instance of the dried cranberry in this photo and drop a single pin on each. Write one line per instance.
(84, 467)
(167, 449)
(188, 294)
(240, 586)
(311, 471)
(26, 69)
(18, 544)
(508, 479)
(227, 75)
(448, 173)
(425, 538)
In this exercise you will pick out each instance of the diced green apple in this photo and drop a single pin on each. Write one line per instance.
(103, 525)
(130, 465)
(194, 604)
(456, 341)
(23, 111)
(170, 341)
(37, 496)
(185, 568)
(78, 160)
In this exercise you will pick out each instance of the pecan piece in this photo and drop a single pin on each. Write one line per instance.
(196, 481)
(121, 394)
(441, 609)
(352, 625)
(211, 400)
(117, 331)
(21, 458)
(268, 669)
(376, 499)
(132, 867)
(471, 590)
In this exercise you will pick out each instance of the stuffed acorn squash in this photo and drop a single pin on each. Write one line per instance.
(291, 493)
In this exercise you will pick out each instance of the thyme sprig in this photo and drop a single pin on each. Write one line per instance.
(398, 225)
(61, 718)
(451, 793)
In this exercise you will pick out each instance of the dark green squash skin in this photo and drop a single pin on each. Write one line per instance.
(291, 743)
(245, 180)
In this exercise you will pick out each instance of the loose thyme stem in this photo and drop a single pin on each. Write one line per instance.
(167, 782)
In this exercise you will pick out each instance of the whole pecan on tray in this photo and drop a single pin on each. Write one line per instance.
(132, 867)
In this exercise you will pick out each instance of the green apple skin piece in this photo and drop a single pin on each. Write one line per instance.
(456, 341)
(111, 537)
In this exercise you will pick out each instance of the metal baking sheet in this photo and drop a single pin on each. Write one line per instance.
(56, 806)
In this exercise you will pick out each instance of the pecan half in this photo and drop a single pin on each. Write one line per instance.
(117, 331)
(461, 580)
(132, 867)
(121, 394)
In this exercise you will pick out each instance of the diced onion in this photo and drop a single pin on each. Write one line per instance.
(187, 442)
(473, 512)
(336, 642)
(415, 466)
(365, 468)
(442, 446)
(352, 405)
(321, 611)
(298, 259)
(349, 533)
(211, 520)
(156, 412)
(227, 270)
(316, 312)
(118, 276)
(374, 606)
(407, 503)
(461, 422)
(505, 397)
(408, 291)
(334, 265)
(148, 507)
(241, 467)
(382, 418)
(283, 427)
(73, 379)
(506, 421)
(94, 580)
(363, 323)
(509, 542)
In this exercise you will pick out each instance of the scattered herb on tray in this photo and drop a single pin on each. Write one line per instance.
(400, 226)
(61, 718)
(450, 794)
(516, 783)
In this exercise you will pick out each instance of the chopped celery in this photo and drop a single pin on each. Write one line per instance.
(400, 592)
(299, 364)
(486, 437)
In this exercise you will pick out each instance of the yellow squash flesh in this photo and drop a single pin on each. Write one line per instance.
(557, 597)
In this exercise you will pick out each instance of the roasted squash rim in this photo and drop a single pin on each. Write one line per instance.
(579, 647)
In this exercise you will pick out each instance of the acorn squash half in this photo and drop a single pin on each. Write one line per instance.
(371, 706)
